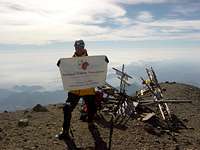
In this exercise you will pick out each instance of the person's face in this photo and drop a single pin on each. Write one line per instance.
(79, 51)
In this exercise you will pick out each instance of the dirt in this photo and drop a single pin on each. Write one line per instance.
(42, 127)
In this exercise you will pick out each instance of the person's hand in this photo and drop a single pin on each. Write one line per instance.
(106, 59)
(58, 63)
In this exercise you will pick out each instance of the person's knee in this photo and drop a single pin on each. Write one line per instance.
(93, 109)
(67, 108)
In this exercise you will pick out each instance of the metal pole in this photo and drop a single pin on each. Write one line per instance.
(111, 133)
(165, 101)
(122, 78)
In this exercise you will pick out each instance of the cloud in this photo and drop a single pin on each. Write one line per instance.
(176, 29)
(186, 8)
(47, 11)
(167, 29)
(26, 68)
(139, 1)
(123, 21)
(42, 22)
(182, 71)
(145, 16)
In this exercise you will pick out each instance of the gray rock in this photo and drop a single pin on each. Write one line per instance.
(40, 108)
(152, 130)
(26, 111)
(177, 147)
(23, 122)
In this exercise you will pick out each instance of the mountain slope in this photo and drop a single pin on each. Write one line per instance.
(21, 100)
(43, 126)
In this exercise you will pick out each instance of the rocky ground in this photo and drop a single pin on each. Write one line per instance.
(40, 128)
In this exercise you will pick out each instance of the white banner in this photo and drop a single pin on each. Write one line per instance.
(83, 72)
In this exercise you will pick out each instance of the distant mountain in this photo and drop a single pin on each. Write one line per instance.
(21, 97)
(25, 88)
(12, 100)
(130, 90)
(4, 93)
(133, 88)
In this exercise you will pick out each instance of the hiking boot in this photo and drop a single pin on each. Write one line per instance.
(63, 135)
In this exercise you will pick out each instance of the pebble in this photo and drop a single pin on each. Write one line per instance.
(176, 134)
(177, 147)
(157, 141)
(23, 122)
(55, 142)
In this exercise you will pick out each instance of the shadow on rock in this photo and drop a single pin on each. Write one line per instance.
(158, 127)
(177, 124)
(100, 120)
(99, 143)
(70, 143)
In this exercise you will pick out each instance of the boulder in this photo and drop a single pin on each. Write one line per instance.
(40, 108)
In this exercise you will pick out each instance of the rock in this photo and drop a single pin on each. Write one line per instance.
(55, 142)
(40, 108)
(147, 116)
(25, 140)
(1, 129)
(19, 148)
(198, 141)
(185, 120)
(157, 141)
(26, 111)
(60, 106)
(150, 129)
(176, 134)
(23, 122)
(177, 147)
(29, 116)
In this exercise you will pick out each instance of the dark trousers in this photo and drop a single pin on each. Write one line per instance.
(71, 103)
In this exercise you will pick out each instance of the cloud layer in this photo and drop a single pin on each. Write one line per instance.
(39, 67)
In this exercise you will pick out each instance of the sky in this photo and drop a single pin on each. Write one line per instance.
(35, 34)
